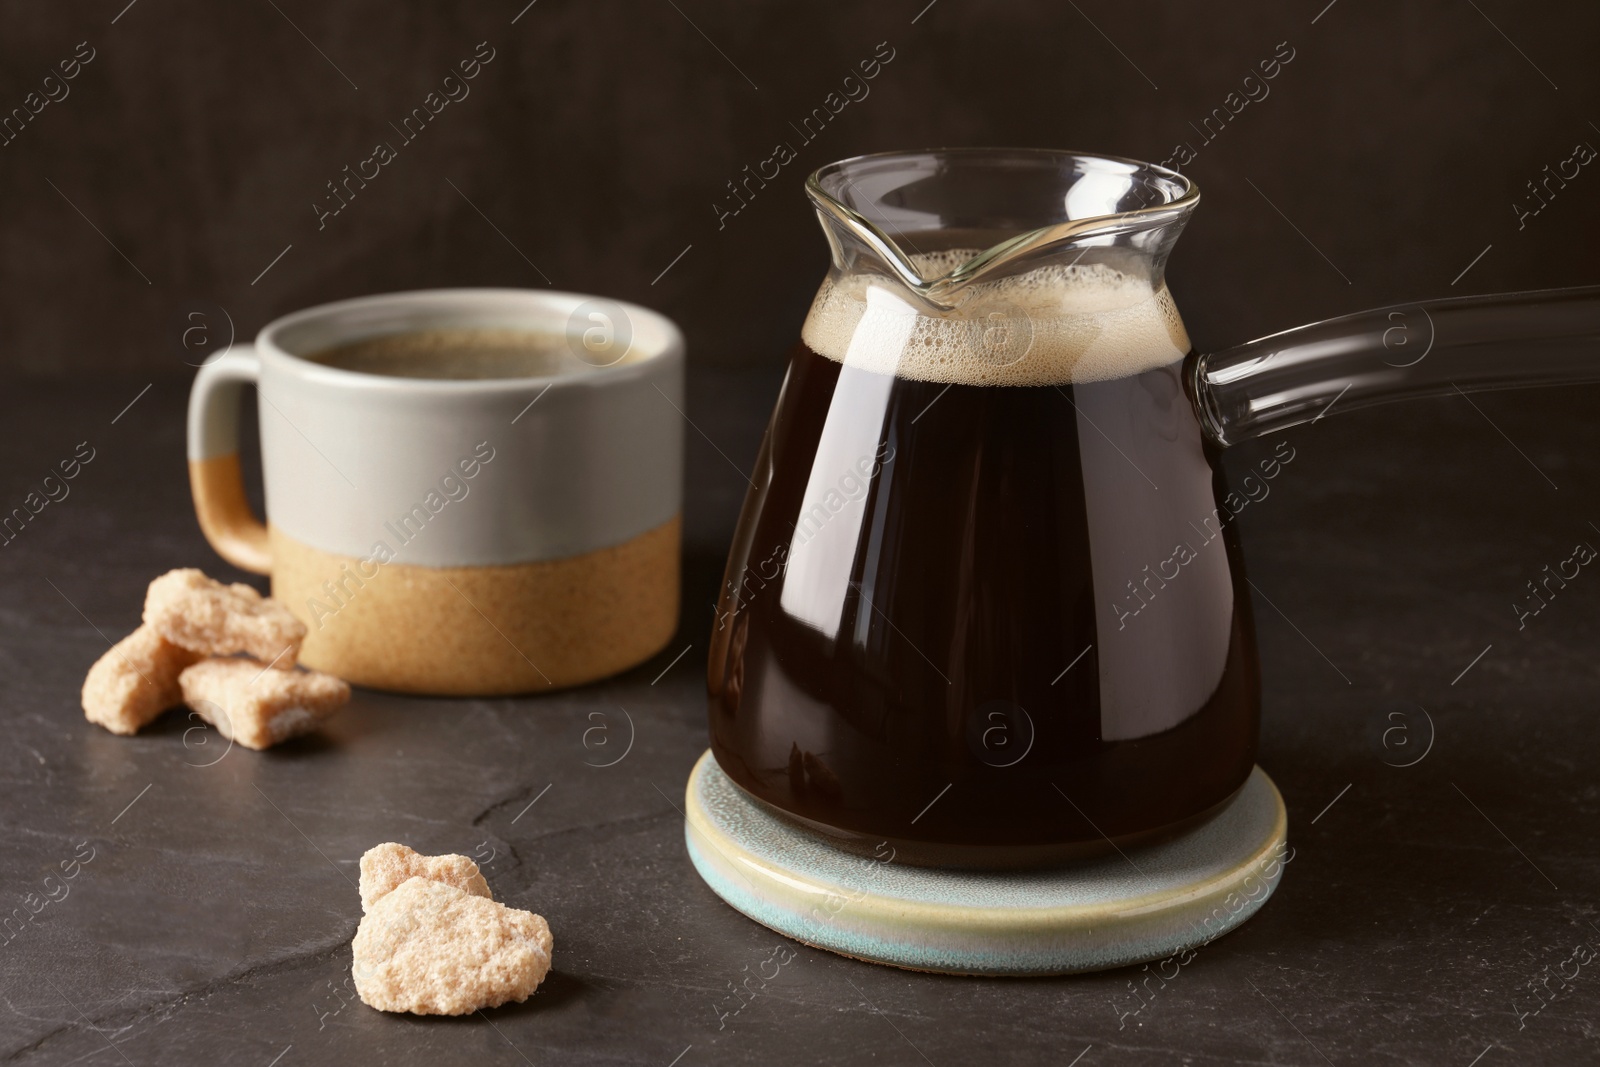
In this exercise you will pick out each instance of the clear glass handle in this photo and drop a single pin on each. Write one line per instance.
(1434, 348)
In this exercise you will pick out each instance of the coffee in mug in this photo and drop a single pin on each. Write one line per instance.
(461, 354)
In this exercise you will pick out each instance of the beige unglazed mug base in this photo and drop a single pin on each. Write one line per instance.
(482, 631)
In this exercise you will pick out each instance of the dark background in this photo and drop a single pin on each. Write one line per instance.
(601, 134)
(1430, 896)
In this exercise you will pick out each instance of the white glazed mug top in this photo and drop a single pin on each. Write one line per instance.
(466, 472)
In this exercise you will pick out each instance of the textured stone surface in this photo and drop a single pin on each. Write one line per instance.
(213, 921)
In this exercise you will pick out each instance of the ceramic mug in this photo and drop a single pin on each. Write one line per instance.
(456, 536)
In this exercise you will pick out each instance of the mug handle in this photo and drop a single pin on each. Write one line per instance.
(214, 475)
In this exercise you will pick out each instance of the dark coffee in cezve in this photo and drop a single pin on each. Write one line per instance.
(971, 541)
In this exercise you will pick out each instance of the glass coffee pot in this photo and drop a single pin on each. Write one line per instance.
(984, 604)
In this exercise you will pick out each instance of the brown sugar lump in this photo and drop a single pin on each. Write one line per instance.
(386, 867)
(432, 949)
(213, 619)
(258, 707)
(135, 681)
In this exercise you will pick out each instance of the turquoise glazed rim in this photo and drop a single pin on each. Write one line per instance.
(1124, 909)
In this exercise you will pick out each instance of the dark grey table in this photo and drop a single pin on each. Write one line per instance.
(1427, 917)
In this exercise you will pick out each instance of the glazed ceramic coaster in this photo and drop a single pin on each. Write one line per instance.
(1146, 905)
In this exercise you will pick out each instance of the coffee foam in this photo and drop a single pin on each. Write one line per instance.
(1056, 325)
